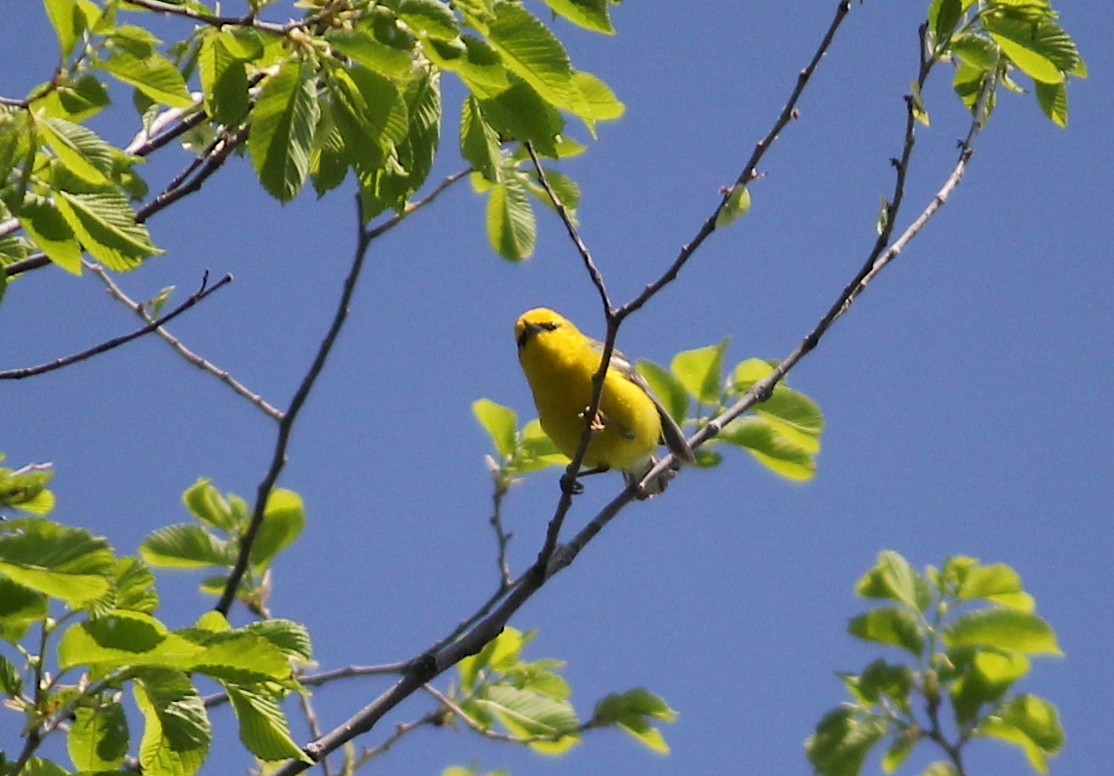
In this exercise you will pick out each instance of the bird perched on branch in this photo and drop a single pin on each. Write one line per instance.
(559, 362)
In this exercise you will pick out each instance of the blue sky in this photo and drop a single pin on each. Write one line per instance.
(966, 394)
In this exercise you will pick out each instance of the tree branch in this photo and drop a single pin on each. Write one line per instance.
(206, 366)
(278, 459)
(19, 374)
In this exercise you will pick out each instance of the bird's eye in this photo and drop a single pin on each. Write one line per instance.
(550, 325)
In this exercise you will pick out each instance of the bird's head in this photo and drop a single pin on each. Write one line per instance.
(537, 321)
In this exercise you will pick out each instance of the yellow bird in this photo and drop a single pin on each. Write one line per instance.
(559, 362)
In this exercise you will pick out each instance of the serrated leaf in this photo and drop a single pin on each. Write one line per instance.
(98, 737)
(519, 113)
(500, 423)
(479, 143)
(135, 587)
(20, 607)
(526, 714)
(78, 148)
(429, 18)
(50, 232)
(185, 546)
(533, 53)
(62, 562)
(589, 14)
(224, 78)
(511, 227)
(1005, 629)
(177, 733)
(290, 638)
(1053, 100)
(943, 16)
(476, 64)
(891, 626)
(154, 76)
(283, 121)
(206, 504)
(361, 47)
(105, 224)
(263, 726)
(597, 102)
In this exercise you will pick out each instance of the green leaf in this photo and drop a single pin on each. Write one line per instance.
(899, 750)
(773, 450)
(284, 519)
(632, 712)
(736, 206)
(206, 504)
(68, 23)
(62, 562)
(511, 228)
(238, 656)
(669, 390)
(20, 607)
(78, 148)
(530, 51)
(889, 625)
(263, 727)
(795, 417)
(11, 683)
(361, 47)
(842, 741)
(224, 78)
(76, 100)
(185, 546)
(598, 102)
(975, 50)
(519, 113)
(153, 75)
(943, 16)
(135, 587)
(1005, 629)
(290, 638)
(43, 223)
(98, 737)
(478, 65)
(283, 121)
(526, 714)
(895, 579)
(124, 639)
(998, 583)
(479, 143)
(429, 19)
(700, 371)
(589, 14)
(1053, 100)
(885, 680)
(177, 733)
(500, 423)
(105, 224)
(1031, 723)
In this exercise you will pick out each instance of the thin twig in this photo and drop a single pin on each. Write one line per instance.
(417, 204)
(749, 171)
(278, 459)
(314, 727)
(19, 374)
(502, 536)
(570, 227)
(204, 365)
(400, 730)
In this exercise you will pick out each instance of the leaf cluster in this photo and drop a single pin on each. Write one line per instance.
(530, 700)
(81, 625)
(991, 40)
(967, 631)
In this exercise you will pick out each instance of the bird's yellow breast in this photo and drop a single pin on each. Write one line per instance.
(559, 364)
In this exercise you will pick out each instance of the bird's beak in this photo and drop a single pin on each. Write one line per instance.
(527, 331)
